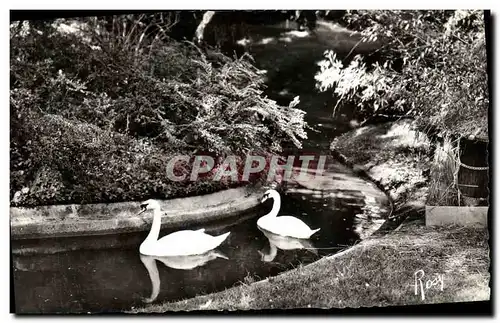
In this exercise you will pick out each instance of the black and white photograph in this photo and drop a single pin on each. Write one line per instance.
(242, 161)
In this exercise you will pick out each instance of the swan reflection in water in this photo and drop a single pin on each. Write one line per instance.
(176, 262)
(284, 243)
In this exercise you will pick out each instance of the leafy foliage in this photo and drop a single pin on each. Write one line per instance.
(75, 162)
(128, 84)
(81, 163)
(432, 66)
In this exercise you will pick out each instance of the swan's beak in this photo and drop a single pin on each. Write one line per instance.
(264, 198)
(143, 209)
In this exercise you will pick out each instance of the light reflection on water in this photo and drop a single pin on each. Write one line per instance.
(284, 243)
(175, 262)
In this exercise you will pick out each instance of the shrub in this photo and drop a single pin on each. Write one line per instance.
(432, 67)
(157, 88)
(74, 162)
(99, 104)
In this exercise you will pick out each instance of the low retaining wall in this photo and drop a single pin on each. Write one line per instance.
(96, 219)
(456, 215)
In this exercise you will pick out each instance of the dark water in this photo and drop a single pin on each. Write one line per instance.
(106, 273)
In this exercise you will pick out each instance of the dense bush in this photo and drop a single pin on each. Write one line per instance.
(78, 162)
(96, 102)
(432, 66)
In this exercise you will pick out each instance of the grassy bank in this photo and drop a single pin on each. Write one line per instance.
(354, 278)
(394, 154)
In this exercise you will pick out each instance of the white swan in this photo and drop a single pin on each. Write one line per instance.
(284, 243)
(180, 243)
(176, 262)
(283, 225)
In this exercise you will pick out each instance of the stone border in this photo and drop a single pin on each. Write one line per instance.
(401, 209)
(98, 219)
(467, 216)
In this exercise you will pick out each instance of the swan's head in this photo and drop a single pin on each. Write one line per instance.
(268, 194)
(149, 205)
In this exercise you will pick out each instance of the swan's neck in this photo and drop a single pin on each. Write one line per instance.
(276, 205)
(155, 228)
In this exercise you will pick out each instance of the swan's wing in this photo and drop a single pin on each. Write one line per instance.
(183, 237)
(290, 226)
(186, 242)
(200, 230)
(291, 221)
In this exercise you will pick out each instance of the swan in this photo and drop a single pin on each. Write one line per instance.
(284, 243)
(176, 262)
(288, 226)
(180, 243)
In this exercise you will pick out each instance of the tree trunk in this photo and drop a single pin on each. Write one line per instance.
(207, 17)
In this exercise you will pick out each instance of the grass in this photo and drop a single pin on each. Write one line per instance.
(377, 272)
(442, 188)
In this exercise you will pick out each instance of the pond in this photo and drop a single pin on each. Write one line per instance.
(107, 274)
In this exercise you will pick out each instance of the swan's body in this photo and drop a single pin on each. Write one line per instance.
(180, 243)
(176, 262)
(284, 243)
(288, 226)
